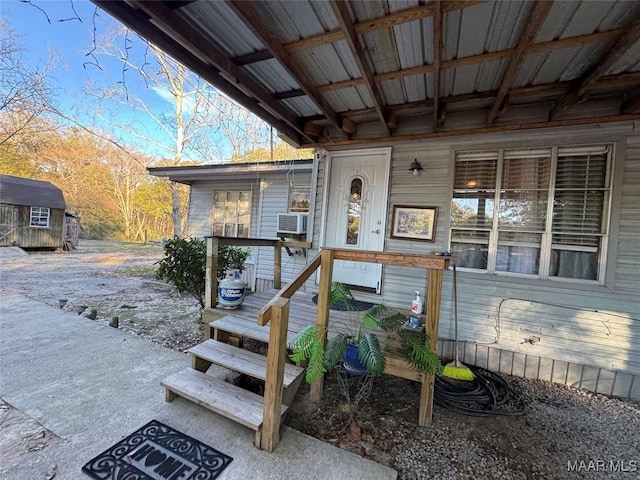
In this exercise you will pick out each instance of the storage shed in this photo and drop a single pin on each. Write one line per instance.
(32, 213)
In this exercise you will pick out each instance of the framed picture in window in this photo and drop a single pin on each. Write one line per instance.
(414, 223)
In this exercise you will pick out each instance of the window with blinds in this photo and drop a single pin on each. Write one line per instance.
(231, 214)
(538, 212)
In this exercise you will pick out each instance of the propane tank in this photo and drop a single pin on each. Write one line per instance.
(231, 290)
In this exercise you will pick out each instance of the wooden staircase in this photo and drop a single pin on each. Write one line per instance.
(224, 398)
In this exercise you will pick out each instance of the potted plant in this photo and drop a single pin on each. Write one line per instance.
(355, 344)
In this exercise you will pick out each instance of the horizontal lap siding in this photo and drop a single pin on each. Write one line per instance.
(431, 188)
(581, 326)
(589, 335)
(274, 200)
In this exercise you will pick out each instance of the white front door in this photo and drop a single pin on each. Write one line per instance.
(357, 210)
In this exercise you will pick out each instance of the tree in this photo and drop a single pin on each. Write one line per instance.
(24, 92)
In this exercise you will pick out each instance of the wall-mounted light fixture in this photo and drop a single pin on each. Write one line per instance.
(415, 166)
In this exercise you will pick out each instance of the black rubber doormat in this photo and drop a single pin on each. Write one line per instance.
(158, 452)
(359, 306)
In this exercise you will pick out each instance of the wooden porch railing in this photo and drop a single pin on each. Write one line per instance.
(211, 282)
(277, 311)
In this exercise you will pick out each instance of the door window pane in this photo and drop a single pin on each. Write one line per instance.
(354, 212)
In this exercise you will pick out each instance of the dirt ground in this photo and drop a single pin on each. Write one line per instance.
(560, 425)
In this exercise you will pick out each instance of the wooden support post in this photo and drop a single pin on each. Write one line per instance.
(211, 274)
(276, 356)
(277, 266)
(169, 396)
(200, 364)
(434, 297)
(322, 320)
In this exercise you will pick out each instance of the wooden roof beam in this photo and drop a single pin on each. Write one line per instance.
(625, 41)
(139, 22)
(182, 32)
(621, 81)
(478, 130)
(438, 48)
(343, 16)
(371, 25)
(538, 14)
(481, 58)
(632, 105)
(252, 19)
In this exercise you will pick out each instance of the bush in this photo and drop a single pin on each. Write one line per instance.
(185, 260)
(184, 266)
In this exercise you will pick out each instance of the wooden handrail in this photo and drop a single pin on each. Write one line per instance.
(289, 289)
(437, 262)
(277, 311)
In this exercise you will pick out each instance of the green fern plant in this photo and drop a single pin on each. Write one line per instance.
(307, 345)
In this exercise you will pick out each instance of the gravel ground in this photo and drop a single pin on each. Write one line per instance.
(564, 433)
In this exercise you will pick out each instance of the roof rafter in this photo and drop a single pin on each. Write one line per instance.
(621, 81)
(625, 41)
(438, 47)
(138, 21)
(632, 105)
(538, 14)
(346, 24)
(481, 58)
(371, 25)
(483, 130)
(200, 46)
(251, 18)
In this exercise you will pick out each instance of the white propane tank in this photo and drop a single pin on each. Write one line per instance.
(231, 290)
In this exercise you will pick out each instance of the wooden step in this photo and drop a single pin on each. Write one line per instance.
(233, 402)
(243, 361)
(249, 329)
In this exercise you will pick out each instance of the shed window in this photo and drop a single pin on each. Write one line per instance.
(539, 212)
(231, 214)
(39, 217)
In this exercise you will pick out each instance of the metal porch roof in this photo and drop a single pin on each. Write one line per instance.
(190, 174)
(336, 72)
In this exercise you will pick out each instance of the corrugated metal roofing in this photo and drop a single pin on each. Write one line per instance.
(479, 42)
(31, 193)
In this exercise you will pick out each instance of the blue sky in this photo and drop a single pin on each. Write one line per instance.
(50, 25)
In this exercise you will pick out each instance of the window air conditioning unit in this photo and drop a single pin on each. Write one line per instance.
(292, 222)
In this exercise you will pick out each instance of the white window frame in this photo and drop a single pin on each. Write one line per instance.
(236, 222)
(40, 214)
(546, 243)
(300, 187)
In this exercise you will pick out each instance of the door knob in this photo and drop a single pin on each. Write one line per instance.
(376, 231)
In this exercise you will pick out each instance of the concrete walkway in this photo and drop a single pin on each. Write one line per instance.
(92, 385)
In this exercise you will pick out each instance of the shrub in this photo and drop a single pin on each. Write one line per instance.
(185, 260)
(184, 266)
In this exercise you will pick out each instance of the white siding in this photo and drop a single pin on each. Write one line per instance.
(274, 197)
(589, 335)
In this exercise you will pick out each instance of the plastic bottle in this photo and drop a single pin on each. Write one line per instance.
(416, 304)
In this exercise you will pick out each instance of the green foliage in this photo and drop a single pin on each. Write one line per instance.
(185, 260)
(231, 258)
(184, 266)
(370, 354)
(307, 345)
